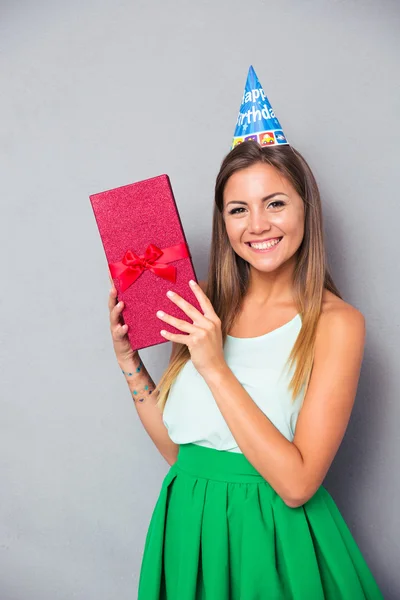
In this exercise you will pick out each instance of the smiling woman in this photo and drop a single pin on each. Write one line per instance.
(257, 398)
(279, 216)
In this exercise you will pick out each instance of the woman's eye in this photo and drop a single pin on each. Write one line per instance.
(279, 202)
(234, 210)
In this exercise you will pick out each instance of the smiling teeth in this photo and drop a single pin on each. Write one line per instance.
(265, 245)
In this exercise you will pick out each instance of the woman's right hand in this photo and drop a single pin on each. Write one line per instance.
(122, 346)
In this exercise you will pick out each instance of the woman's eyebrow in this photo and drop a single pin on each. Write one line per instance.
(262, 200)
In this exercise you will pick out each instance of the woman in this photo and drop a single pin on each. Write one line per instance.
(255, 416)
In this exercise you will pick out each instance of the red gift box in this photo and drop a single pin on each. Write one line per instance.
(147, 254)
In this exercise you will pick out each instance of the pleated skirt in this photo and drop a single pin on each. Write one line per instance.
(219, 531)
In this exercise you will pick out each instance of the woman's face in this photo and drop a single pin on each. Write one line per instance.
(260, 205)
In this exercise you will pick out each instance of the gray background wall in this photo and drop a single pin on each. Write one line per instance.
(97, 94)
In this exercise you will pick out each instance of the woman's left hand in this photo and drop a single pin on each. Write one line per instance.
(203, 337)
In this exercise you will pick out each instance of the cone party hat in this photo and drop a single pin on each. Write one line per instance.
(257, 120)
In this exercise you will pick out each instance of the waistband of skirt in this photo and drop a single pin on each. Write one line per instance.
(210, 463)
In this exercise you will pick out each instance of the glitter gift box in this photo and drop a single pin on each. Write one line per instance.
(147, 255)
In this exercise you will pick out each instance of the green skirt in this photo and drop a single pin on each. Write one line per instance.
(219, 531)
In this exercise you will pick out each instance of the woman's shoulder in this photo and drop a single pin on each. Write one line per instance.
(333, 305)
(340, 317)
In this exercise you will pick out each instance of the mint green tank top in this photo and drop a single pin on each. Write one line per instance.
(191, 413)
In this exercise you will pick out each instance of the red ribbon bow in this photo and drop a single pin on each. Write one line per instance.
(133, 265)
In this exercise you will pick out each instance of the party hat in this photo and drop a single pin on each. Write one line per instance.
(257, 120)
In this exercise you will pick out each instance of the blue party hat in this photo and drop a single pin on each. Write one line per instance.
(257, 120)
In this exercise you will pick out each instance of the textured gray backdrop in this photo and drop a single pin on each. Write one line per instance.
(100, 93)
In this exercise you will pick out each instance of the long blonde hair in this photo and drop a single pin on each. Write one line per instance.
(228, 273)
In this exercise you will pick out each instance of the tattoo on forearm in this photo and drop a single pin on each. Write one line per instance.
(139, 394)
(137, 369)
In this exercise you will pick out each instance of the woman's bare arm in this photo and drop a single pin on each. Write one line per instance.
(139, 381)
(296, 469)
(141, 387)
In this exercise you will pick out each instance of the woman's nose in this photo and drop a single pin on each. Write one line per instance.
(259, 221)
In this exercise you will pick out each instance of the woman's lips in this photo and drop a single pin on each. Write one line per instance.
(264, 250)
